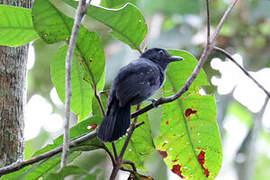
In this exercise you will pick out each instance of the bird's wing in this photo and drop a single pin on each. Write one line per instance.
(136, 82)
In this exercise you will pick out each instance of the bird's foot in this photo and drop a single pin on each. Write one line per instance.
(154, 102)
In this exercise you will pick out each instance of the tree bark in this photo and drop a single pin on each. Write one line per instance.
(13, 77)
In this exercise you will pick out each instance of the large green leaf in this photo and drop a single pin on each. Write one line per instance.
(91, 53)
(66, 171)
(116, 3)
(16, 27)
(40, 169)
(51, 165)
(127, 23)
(51, 25)
(189, 137)
(76, 131)
(82, 93)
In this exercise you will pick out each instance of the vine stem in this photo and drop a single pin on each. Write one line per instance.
(80, 12)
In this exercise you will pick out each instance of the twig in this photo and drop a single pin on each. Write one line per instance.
(128, 170)
(207, 50)
(131, 163)
(138, 125)
(228, 55)
(97, 95)
(110, 154)
(123, 150)
(208, 22)
(114, 150)
(20, 165)
(80, 12)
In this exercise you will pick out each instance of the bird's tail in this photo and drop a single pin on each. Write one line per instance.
(115, 123)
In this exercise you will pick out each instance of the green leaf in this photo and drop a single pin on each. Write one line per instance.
(54, 26)
(127, 23)
(82, 92)
(40, 169)
(16, 27)
(116, 3)
(76, 131)
(189, 138)
(67, 171)
(140, 146)
(91, 52)
(51, 25)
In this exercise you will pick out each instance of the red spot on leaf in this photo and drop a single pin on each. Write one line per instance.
(189, 111)
(177, 170)
(201, 159)
(92, 127)
(175, 160)
(164, 154)
(167, 122)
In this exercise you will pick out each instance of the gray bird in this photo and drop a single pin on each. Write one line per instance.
(134, 83)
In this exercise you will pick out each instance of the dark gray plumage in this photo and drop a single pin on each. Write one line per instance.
(134, 83)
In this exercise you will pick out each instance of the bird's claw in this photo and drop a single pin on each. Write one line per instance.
(154, 102)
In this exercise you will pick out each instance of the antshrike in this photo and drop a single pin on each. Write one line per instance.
(134, 83)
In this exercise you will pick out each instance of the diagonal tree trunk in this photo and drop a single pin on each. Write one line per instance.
(13, 69)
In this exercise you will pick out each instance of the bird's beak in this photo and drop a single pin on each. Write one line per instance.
(175, 58)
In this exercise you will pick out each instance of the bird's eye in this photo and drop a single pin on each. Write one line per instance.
(161, 53)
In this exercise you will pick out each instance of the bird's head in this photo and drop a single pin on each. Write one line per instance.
(160, 56)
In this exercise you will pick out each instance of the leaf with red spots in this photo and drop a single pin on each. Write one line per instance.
(164, 154)
(191, 138)
(177, 170)
(189, 111)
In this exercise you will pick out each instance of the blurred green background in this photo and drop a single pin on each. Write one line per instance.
(243, 113)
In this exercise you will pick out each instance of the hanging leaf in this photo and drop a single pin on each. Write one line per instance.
(82, 93)
(127, 23)
(189, 137)
(16, 27)
(51, 25)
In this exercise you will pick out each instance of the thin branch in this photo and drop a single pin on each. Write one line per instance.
(228, 55)
(128, 170)
(80, 12)
(97, 95)
(123, 150)
(110, 154)
(131, 163)
(138, 125)
(208, 22)
(20, 165)
(221, 22)
(114, 150)
(207, 50)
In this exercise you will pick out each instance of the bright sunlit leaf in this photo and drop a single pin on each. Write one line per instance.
(16, 27)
